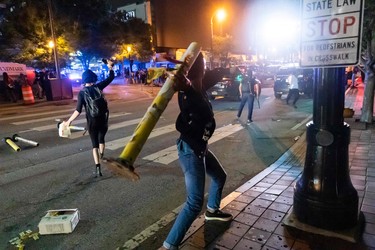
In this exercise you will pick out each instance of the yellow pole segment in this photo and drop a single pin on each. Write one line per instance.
(11, 143)
(123, 165)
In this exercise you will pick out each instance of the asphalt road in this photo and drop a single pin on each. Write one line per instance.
(58, 173)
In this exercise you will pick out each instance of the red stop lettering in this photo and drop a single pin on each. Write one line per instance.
(333, 26)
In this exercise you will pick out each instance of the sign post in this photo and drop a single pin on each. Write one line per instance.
(324, 196)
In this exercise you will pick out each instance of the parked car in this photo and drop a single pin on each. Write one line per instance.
(228, 87)
(281, 86)
(266, 75)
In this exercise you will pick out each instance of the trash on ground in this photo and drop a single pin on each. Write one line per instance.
(60, 221)
(19, 242)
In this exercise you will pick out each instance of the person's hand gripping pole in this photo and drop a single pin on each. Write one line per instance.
(123, 165)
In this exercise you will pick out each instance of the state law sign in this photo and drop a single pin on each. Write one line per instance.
(331, 32)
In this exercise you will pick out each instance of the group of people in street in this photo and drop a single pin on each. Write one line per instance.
(250, 88)
(40, 83)
(12, 86)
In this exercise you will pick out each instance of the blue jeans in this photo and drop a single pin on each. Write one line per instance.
(249, 98)
(195, 170)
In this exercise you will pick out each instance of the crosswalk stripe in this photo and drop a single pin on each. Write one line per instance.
(119, 143)
(34, 114)
(110, 127)
(168, 155)
(78, 121)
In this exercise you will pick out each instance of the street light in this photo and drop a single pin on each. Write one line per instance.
(51, 44)
(129, 49)
(220, 15)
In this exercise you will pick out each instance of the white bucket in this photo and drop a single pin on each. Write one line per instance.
(64, 131)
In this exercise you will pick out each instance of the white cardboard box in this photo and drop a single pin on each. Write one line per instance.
(60, 221)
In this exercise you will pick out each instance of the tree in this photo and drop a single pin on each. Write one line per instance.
(369, 62)
(85, 26)
(221, 46)
(86, 29)
(134, 33)
(26, 34)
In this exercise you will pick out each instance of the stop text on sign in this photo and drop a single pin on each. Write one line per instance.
(332, 27)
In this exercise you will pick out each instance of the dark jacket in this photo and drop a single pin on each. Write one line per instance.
(101, 85)
(248, 85)
(196, 121)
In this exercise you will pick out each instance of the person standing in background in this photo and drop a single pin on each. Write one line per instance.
(354, 76)
(293, 89)
(249, 89)
(10, 87)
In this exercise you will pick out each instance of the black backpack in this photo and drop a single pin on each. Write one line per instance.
(96, 104)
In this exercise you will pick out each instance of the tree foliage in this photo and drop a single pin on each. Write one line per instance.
(88, 30)
(24, 35)
(222, 46)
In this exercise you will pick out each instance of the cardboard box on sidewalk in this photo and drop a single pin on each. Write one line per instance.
(60, 221)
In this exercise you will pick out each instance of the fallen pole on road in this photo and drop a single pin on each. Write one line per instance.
(11, 144)
(30, 142)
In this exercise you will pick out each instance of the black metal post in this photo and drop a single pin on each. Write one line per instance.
(324, 195)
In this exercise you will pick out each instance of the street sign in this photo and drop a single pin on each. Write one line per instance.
(331, 32)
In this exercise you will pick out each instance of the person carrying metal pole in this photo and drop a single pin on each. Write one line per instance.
(196, 124)
(123, 165)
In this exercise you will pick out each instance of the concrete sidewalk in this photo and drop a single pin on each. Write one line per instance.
(260, 206)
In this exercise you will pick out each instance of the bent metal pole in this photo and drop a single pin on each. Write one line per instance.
(123, 165)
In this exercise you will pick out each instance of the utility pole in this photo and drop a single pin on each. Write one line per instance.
(53, 39)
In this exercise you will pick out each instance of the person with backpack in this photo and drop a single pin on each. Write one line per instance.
(249, 89)
(92, 98)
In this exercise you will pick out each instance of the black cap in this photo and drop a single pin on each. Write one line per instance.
(89, 77)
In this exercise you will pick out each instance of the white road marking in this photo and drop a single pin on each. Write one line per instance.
(111, 127)
(116, 144)
(34, 114)
(59, 117)
(168, 155)
(302, 123)
(54, 126)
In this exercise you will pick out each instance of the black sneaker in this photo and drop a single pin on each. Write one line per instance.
(217, 215)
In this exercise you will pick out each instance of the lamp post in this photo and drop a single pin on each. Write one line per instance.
(220, 15)
(53, 39)
(129, 49)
